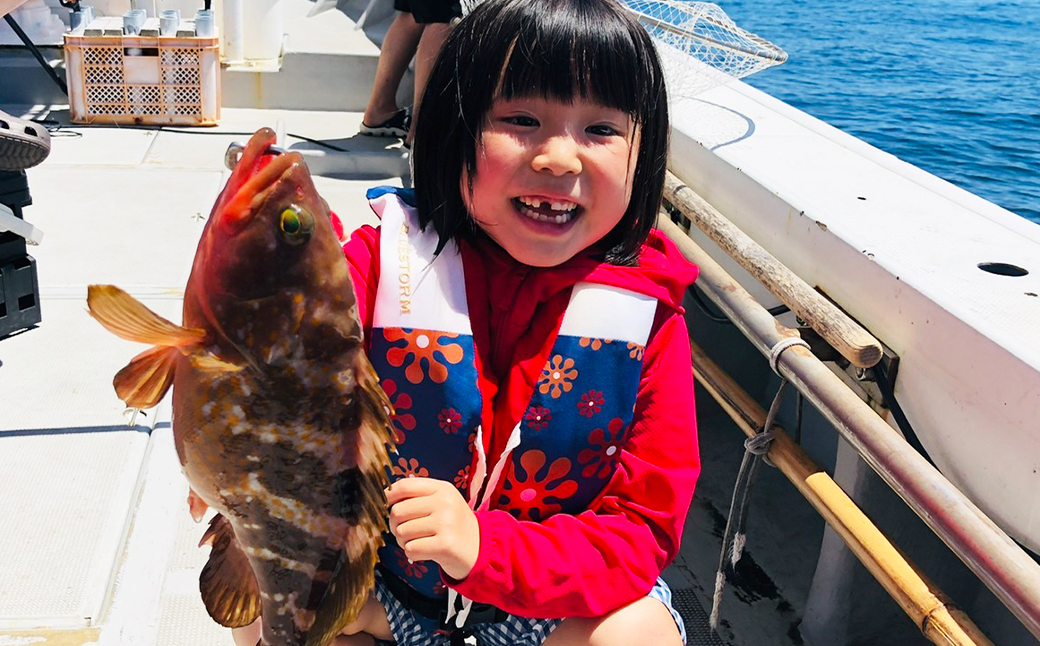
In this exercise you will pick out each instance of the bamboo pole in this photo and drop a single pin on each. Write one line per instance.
(845, 335)
(996, 560)
(940, 621)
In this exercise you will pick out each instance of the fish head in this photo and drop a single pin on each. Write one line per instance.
(269, 244)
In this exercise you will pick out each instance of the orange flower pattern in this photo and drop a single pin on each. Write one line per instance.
(423, 346)
(595, 344)
(558, 376)
(408, 468)
(527, 494)
(636, 351)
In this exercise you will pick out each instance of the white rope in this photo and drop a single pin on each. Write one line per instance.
(778, 349)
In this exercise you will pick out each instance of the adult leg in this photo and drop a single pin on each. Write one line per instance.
(399, 46)
(429, 46)
(645, 621)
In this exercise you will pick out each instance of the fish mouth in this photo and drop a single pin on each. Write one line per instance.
(258, 170)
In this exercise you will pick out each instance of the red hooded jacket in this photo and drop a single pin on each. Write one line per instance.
(610, 555)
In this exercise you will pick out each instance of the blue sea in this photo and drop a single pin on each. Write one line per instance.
(951, 86)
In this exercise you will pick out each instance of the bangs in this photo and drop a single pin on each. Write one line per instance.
(562, 50)
(573, 52)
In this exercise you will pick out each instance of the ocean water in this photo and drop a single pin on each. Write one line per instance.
(951, 86)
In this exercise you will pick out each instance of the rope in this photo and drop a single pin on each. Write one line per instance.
(755, 449)
(778, 349)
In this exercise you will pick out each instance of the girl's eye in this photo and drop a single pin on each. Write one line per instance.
(523, 121)
(602, 130)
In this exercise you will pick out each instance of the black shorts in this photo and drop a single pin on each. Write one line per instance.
(427, 11)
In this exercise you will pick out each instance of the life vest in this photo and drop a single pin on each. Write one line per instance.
(566, 446)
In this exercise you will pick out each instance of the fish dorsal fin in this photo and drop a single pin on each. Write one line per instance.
(144, 381)
(126, 317)
(352, 581)
(229, 588)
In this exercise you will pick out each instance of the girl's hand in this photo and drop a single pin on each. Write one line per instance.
(432, 522)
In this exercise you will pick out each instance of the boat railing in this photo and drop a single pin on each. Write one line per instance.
(999, 563)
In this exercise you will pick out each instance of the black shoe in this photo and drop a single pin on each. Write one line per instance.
(23, 144)
(395, 126)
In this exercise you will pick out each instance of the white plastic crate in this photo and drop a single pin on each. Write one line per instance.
(153, 80)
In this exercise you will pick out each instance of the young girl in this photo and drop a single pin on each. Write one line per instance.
(525, 320)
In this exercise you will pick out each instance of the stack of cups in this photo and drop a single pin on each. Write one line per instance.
(204, 25)
(169, 20)
(81, 18)
(133, 20)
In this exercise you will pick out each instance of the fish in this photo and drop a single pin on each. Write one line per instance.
(279, 421)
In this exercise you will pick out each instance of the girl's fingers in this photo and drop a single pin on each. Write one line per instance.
(408, 510)
(406, 488)
(422, 548)
(412, 530)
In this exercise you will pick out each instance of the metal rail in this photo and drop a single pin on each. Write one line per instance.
(843, 334)
(939, 620)
(996, 560)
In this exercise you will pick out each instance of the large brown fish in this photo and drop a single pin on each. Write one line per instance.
(278, 418)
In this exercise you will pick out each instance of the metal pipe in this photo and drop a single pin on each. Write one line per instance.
(996, 560)
(845, 335)
(940, 620)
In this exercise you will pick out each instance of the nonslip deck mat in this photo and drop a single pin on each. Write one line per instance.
(67, 495)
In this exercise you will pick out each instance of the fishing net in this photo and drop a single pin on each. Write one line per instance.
(700, 46)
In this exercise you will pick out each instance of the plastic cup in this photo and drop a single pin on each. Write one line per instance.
(77, 21)
(131, 27)
(204, 24)
(169, 20)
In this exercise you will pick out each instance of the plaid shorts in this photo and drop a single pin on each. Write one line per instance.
(412, 629)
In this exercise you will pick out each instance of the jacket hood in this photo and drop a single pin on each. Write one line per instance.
(663, 272)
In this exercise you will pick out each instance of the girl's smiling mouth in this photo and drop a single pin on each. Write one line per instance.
(541, 209)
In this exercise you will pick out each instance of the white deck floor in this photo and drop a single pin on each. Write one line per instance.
(95, 533)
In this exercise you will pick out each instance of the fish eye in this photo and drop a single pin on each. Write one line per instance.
(296, 224)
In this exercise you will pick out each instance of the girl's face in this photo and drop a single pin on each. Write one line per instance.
(552, 178)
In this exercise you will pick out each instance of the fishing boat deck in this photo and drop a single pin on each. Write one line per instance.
(96, 545)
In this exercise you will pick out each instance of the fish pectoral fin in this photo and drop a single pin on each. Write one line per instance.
(144, 381)
(197, 507)
(210, 363)
(126, 317)
(229, 588)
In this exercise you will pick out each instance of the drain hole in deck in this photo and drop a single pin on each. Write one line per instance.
(1002, 269)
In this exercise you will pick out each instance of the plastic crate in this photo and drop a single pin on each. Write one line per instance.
(19, 295)
(154, 80)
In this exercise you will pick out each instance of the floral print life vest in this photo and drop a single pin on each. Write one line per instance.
(566, 446)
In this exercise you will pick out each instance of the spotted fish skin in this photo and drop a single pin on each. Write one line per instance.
(279, 422)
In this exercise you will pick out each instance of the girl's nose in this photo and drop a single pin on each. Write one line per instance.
(559, 156)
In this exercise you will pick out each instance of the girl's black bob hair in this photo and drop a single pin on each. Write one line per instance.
(557, 49)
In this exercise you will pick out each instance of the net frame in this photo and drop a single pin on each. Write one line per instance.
(700, 46)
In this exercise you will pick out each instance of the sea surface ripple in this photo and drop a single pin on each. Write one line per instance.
(951, 86)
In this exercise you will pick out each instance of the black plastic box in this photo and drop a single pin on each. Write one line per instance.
(19, 285)
(19, 295)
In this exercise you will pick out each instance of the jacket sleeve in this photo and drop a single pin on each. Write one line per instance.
(362, 253)
(610, 555)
